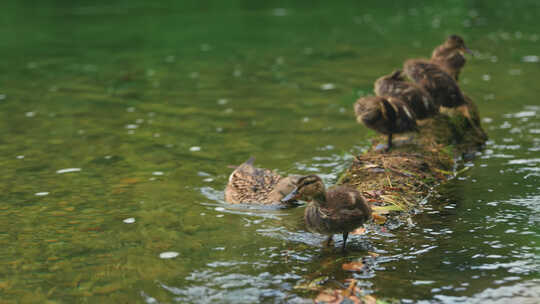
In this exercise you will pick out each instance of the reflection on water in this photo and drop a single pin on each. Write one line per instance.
(234, 287)
(119, 124)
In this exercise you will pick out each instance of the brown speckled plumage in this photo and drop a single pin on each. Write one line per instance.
(339, 209)
(469, 110)
(416, 97)
(248, 184)
(385, 114)
(452, 64)
(449, 55)
(439, 84)
(473, 115)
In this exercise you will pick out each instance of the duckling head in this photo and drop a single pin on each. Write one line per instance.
(308, 188)
(457, 43)
(368, 110)
(397, 75)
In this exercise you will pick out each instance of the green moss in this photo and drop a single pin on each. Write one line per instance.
(399, 180)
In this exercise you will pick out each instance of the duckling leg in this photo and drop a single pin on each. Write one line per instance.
(389, 145)
(345, 235)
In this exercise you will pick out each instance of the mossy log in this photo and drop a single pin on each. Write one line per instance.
(400, 179)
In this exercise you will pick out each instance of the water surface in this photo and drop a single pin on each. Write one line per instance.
(119, 123)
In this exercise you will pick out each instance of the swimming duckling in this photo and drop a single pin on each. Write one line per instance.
(339, 209)
(416, 97)
(439, 84)
(385, 114)
(450, 55)
(248, 184)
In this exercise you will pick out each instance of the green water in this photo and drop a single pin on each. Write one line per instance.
(150, 103)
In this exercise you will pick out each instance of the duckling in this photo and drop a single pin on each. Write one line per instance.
(439, 84)
(340, 209)
(248, 184)
(450, 55)
(385, 114)
(469, 110)
(451, 64)
(416, 97)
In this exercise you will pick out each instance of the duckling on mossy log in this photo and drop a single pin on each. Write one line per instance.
(416, 97)
(386, 115)
(439, 84)
(469, 110)
(450, 55)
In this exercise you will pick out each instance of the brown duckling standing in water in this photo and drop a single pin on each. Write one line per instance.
(248, 184)
(450, 55)
(437, 82)
(385, 114)
(339, 209)
(416, 97)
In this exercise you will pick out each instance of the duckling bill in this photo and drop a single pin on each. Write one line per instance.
(386, 115)
(249, 184)
(416, 97)
(340, 209)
